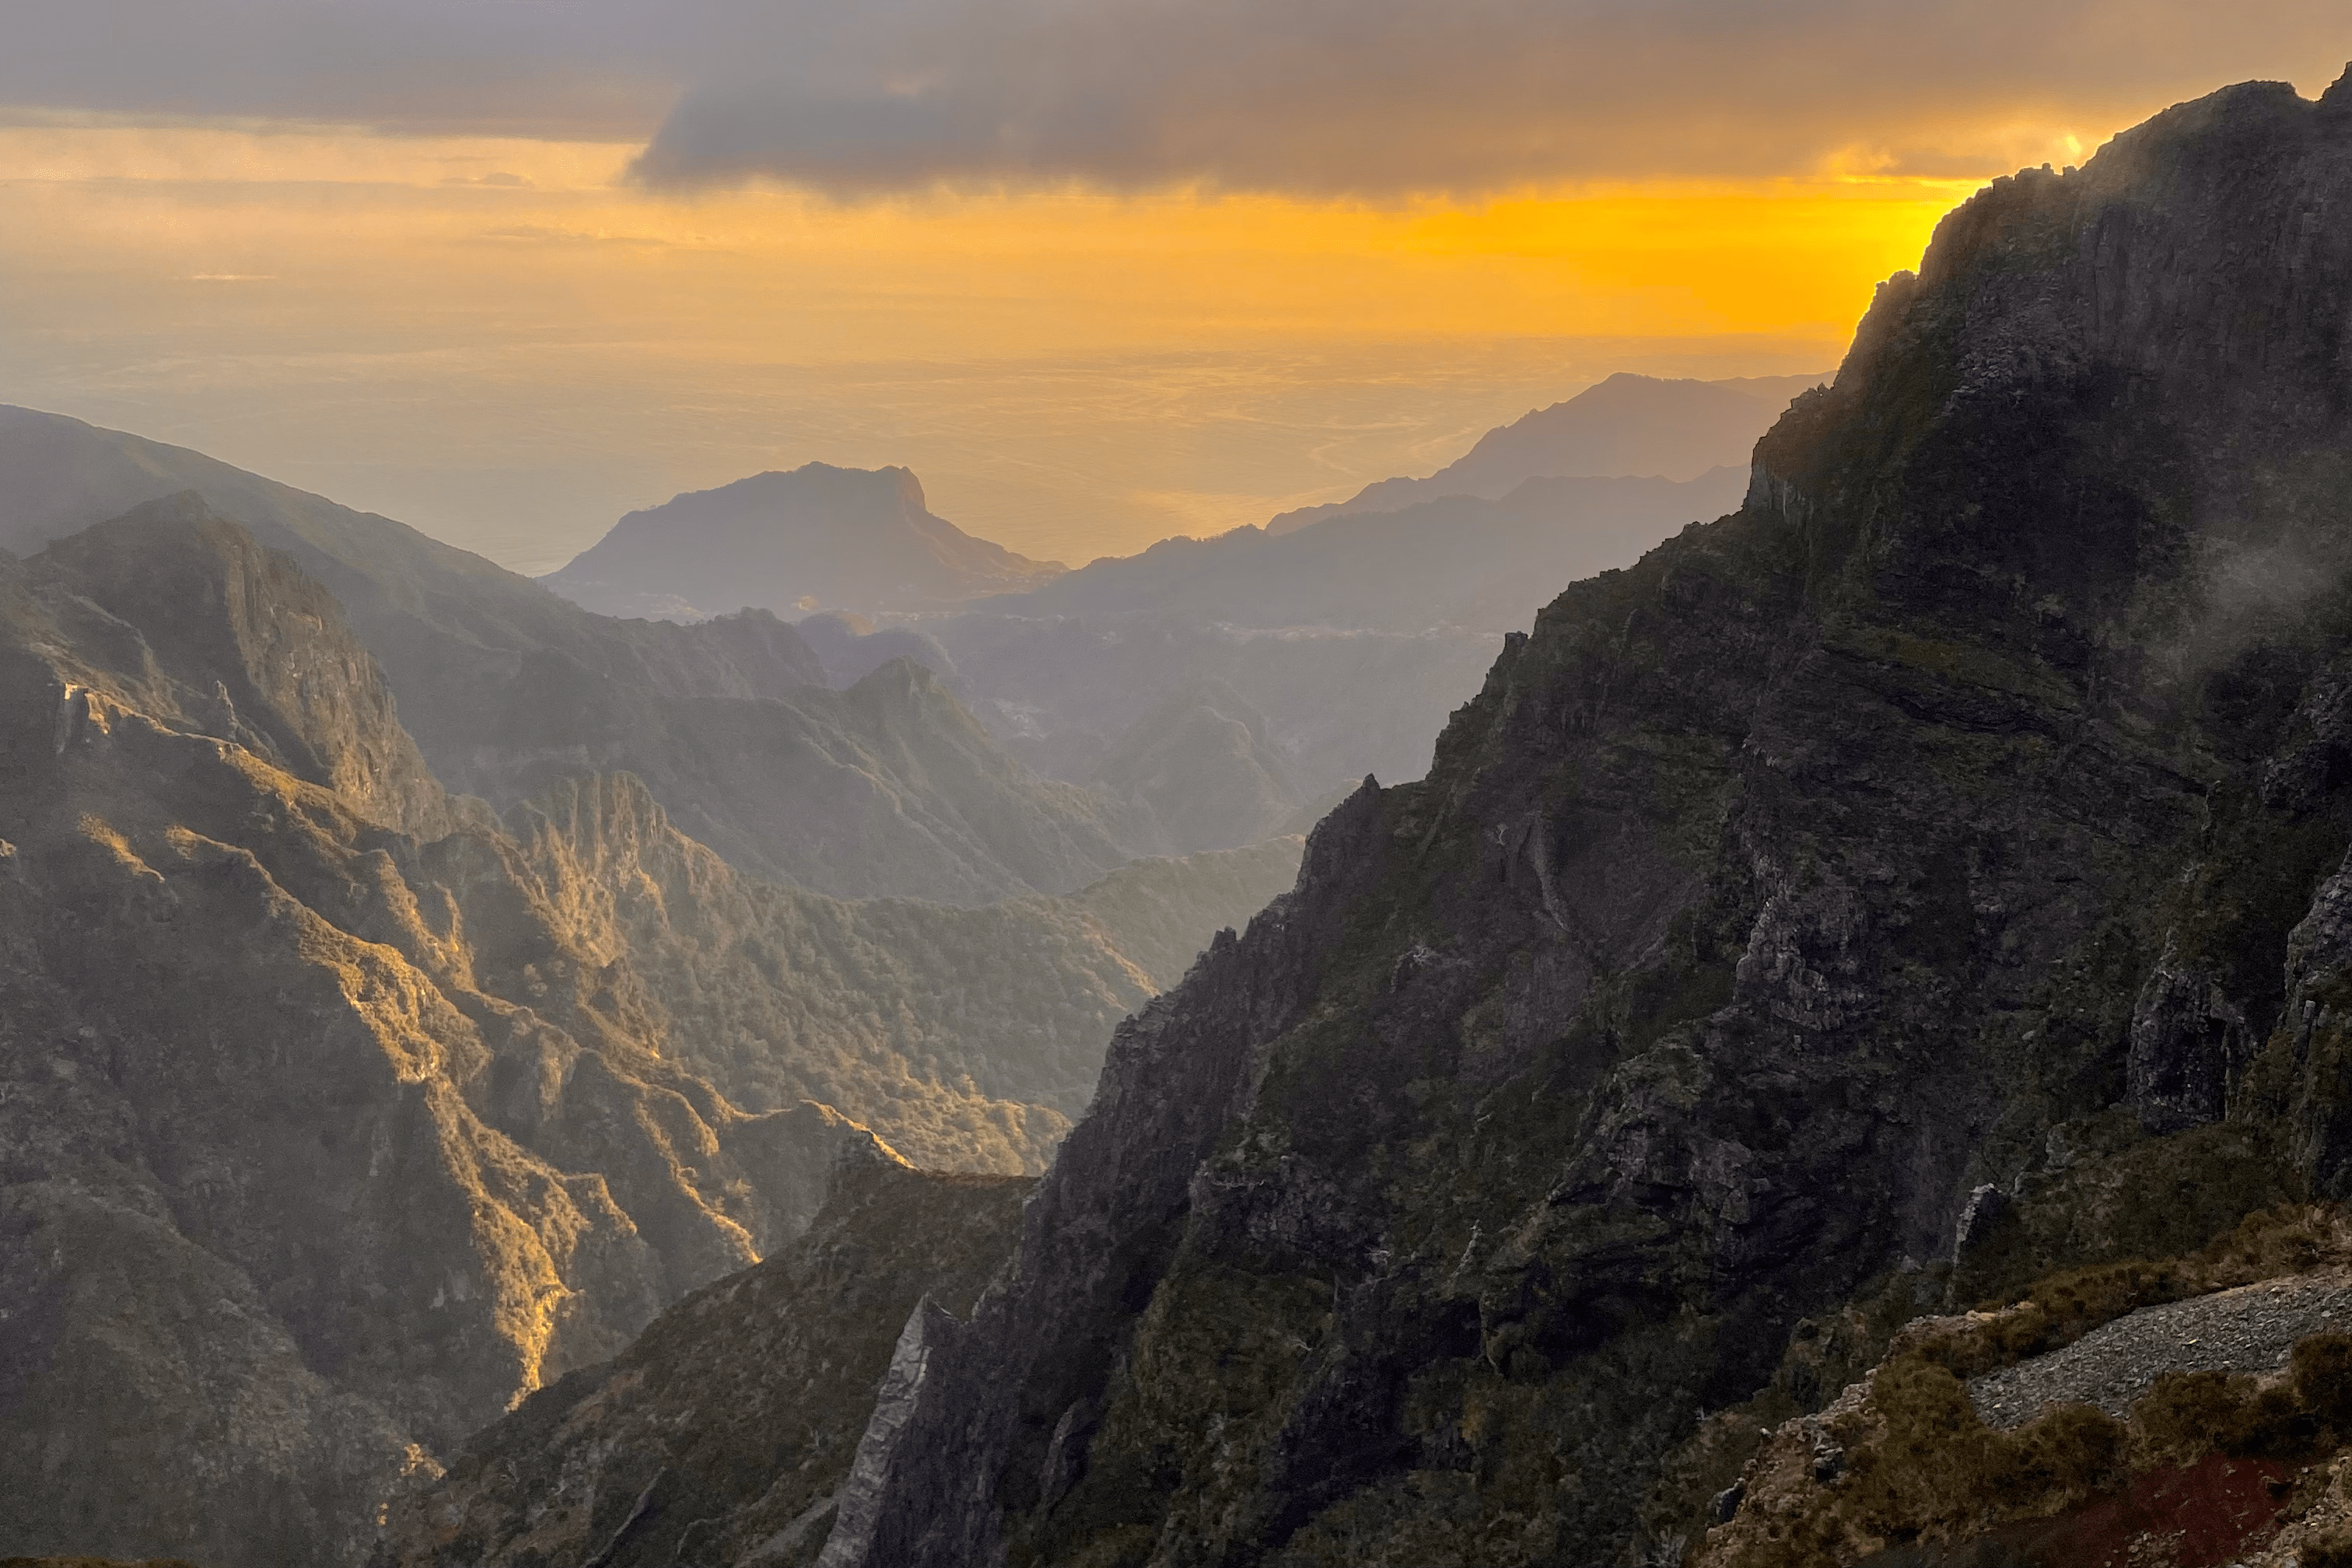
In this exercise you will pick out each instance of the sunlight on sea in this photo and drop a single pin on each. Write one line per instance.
(529, 453)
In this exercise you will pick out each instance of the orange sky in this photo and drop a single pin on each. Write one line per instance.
(508, 342)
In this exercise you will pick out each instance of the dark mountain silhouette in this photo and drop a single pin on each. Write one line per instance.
(1929, 880)
(1628, 426)
(816, 538)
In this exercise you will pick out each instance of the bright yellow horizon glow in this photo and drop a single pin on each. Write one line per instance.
(223, 276)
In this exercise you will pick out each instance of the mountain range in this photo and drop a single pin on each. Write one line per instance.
(1838, 974)
(1922, 888)
(887, 789)
(1417, 578)
(340, 1112)
(1841, 1059)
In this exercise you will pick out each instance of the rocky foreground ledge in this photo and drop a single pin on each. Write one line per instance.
(2185, 1413)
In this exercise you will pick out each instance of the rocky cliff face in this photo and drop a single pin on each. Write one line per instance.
(725, 1431)
(1947, 834)
(335, 1115)
(969, 1038)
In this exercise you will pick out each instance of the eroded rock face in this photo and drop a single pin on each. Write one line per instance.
(725, 1432)
(273, 1236)
(336, 1116)
(1872, 846)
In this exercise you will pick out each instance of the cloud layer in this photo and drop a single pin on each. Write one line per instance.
(1311, 97)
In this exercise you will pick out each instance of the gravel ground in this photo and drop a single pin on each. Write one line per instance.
(2251, 1329)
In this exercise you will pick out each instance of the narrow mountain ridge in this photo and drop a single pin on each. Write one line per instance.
(723, 1433)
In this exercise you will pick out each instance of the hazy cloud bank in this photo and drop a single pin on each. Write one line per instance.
(1367, 96)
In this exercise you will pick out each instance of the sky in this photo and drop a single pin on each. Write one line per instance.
(1097, 270)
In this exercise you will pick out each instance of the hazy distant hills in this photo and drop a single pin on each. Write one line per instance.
(1349, 630)
(508, 688)
(1626, 426)
(1206, 761)
(1351, 639)
(816, 538)
(852, 647)
(1457, 561)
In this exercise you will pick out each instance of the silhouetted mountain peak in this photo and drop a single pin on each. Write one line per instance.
(814, 537)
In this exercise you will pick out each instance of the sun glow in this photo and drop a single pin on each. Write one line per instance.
(330, 306)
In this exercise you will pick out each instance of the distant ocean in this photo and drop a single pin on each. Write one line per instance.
(527, 453)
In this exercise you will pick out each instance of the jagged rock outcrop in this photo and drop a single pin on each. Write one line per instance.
(1882, 842)
(887, 789)
(266, 1243)
(2171, 1411)
(335, 1115)
(727, 1430)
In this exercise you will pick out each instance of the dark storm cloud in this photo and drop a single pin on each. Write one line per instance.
(1382, 96)
(1311, 96)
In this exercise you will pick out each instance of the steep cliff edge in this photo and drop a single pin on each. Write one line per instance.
(1927, 842)
(723, 1432)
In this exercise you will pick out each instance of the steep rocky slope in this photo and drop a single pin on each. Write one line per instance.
(723, 1432)
(335, 1115)
(2178, 1412)
(816, 538)
(1954, 830)
(264, 1234)
(888, 789)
